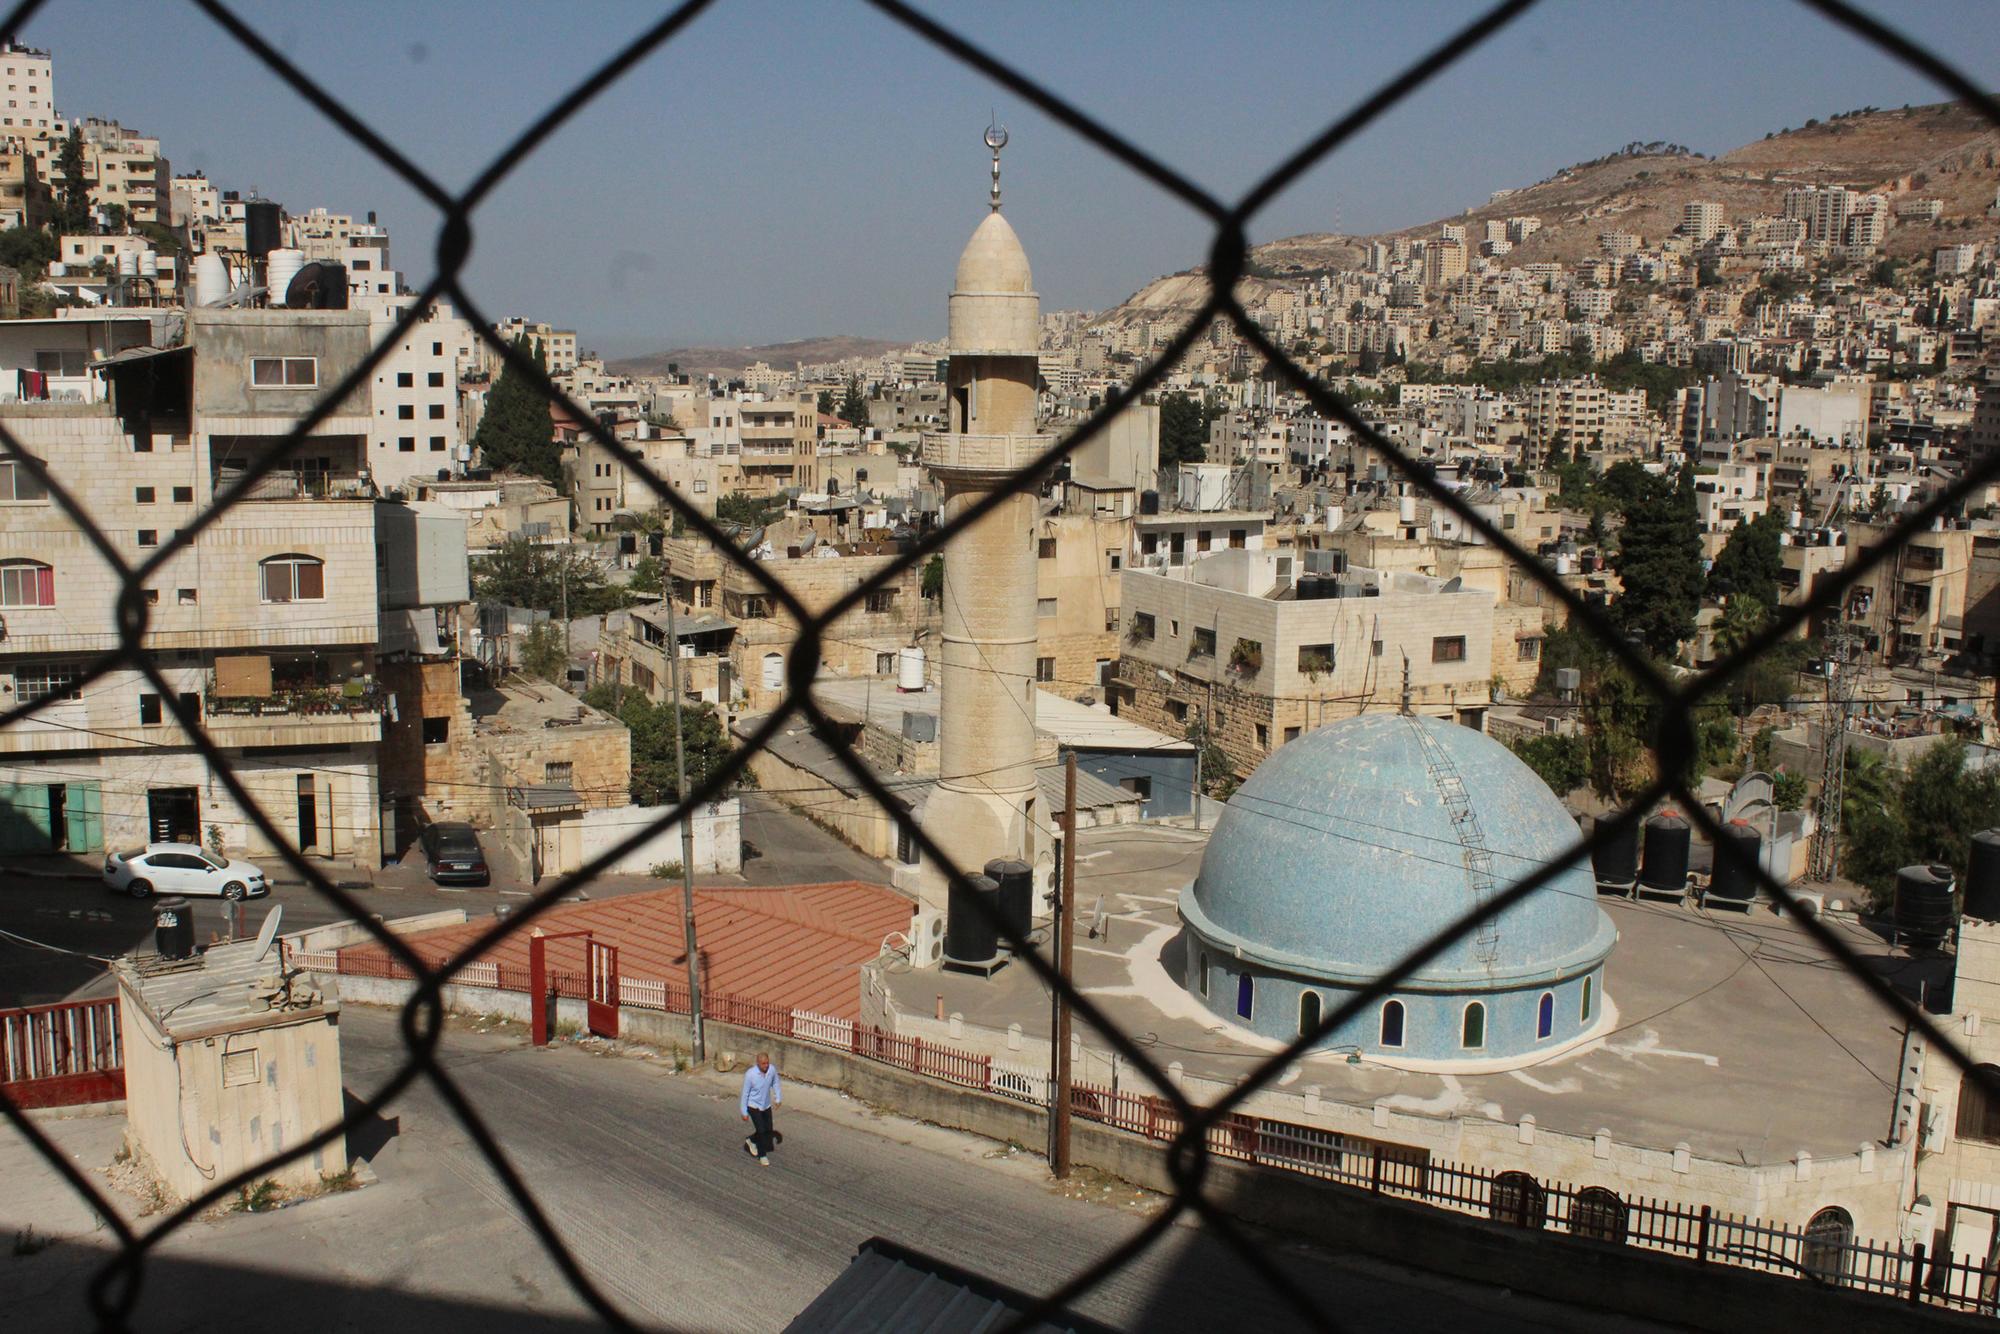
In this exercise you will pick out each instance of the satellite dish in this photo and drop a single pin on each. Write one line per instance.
(267, 934)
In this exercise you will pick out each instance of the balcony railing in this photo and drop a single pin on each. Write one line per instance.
(346, 700)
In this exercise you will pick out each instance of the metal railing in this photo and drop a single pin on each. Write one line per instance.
(1199, 1132)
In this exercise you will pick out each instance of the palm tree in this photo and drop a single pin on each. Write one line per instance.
(1742, 618)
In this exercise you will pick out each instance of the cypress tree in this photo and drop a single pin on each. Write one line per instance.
(1659, 563)
(516, 431)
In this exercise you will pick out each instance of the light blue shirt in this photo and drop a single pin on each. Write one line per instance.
(760, 1090)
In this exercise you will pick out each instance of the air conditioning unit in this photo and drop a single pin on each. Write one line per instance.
(927, 938)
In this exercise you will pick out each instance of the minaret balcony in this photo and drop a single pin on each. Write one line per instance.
(949, 451)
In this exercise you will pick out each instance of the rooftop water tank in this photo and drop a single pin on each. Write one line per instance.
(262, 230)
(211, 279)
(1615, 856)
(1406, 510)
(1017, 893)
(970, 915)
(1666, 856)
(149, 264)
(280, 267)
(128, 264)
(1731, 885)
(1982, 877)
(173, 928)
(910, 668)
(1924, 910)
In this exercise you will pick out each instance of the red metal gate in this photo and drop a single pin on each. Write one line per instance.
(61, 1055)
(601, 1002)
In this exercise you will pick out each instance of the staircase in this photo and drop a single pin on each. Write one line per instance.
(1478, 858)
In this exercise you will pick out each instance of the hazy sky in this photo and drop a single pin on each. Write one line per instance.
(789, 170)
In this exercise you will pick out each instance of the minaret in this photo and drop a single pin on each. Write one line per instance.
(984, 806)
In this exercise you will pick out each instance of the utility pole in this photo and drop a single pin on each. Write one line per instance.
(1823, 854)
(565, 610)
(687, 838)
(1065, 941)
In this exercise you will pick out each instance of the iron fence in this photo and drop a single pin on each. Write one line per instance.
(1200, 1133)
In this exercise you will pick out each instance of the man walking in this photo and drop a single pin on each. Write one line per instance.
(761, 1092)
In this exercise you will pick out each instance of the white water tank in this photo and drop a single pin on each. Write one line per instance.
(58, 269)
(149, 264)
(910, 668)
(1406, 510)
(128, 263)
(280, 267)
(211, 279)
(1565, 565)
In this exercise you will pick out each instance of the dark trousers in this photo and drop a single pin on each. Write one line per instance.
(760, 1130)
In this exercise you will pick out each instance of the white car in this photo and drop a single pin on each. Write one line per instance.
(182, 868)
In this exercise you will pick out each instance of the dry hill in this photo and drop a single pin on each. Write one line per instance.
(735, 360)
(1945, 152)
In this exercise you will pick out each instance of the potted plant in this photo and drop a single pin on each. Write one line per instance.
(1247, 657)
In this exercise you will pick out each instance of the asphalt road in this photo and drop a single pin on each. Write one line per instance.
(80, 916)
(640, 1169)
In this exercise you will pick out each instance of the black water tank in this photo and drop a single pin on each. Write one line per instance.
(969, 936)
(261, 230)
(1017, 892)
(1666, 861)
(1615, 857)
(173, 928)
(1729, 884)
(1923, 905)
(1982, 877)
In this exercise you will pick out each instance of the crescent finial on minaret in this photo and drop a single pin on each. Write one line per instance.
(996, 139)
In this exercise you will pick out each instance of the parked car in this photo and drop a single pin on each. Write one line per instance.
(455, 856)
(182, 868)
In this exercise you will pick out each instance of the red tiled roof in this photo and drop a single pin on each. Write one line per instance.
(796, 945)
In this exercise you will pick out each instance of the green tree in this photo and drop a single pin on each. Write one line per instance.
(521, 573)
(1750, 561)
(1659, 564)
(706, 743)
(1218, 775)
(646, 576)
(543, 655)
(71, 213)
(826, 405)
(27, 250)
(1742, 617)
(1184, 423)
(516, 430)
(931, 580)
(1788, 791)
(854, 403)
(743, 508)
(1563, 762)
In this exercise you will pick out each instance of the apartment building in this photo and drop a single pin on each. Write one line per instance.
(195, 202)
(265, 627)
(30, 78)
(1586, 412)
(780, 437)
(1726, 497)
(418, 425)
(126, 170)
(558, 345)
(1912, 608)
(361, 247)
(24, 195)
(1080, 559)
(1701, 220)
(1229, 641)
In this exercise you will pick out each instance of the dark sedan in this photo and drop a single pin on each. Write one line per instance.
(455, 856)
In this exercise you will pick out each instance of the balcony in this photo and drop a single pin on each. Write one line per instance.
(983, 453)
(333, 715)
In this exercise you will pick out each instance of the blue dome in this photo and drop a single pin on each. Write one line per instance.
(1351, 847)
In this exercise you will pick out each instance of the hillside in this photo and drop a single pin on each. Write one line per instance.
(735, 360)
(1944, 152)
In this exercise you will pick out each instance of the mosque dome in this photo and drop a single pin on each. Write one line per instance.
(993, 260)
(1352, 846)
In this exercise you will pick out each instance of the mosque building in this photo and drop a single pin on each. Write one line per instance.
(1348, 849)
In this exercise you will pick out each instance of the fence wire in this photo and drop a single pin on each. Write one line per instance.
(113, 1292)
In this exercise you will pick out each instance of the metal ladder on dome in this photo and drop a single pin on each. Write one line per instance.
(1477, 856)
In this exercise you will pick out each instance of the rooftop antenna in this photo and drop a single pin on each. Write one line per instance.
(996, 139)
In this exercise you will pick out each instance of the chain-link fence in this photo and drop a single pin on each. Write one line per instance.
(113, 1292)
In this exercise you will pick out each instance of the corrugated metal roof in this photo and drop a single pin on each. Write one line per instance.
(891, 1289)
(1092, 792)
(795, 945)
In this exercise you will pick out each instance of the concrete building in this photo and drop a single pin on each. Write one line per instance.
(986, 803)
(227, 1064)
(558, 345)
(418, 427)
(1701, 220)
(31, 93)
(779, 438)
(265, 627)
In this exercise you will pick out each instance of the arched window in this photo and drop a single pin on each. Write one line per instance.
(1519, 1200)
(1392, 1023)
(293, 578)
(1472, 1032)
(1828, 1253)
(27, 583)
(1589, 995)
(1598, 1213)
(1979, 1110)
(1244, 996)
(1308, 1012)
(1545, 1016)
